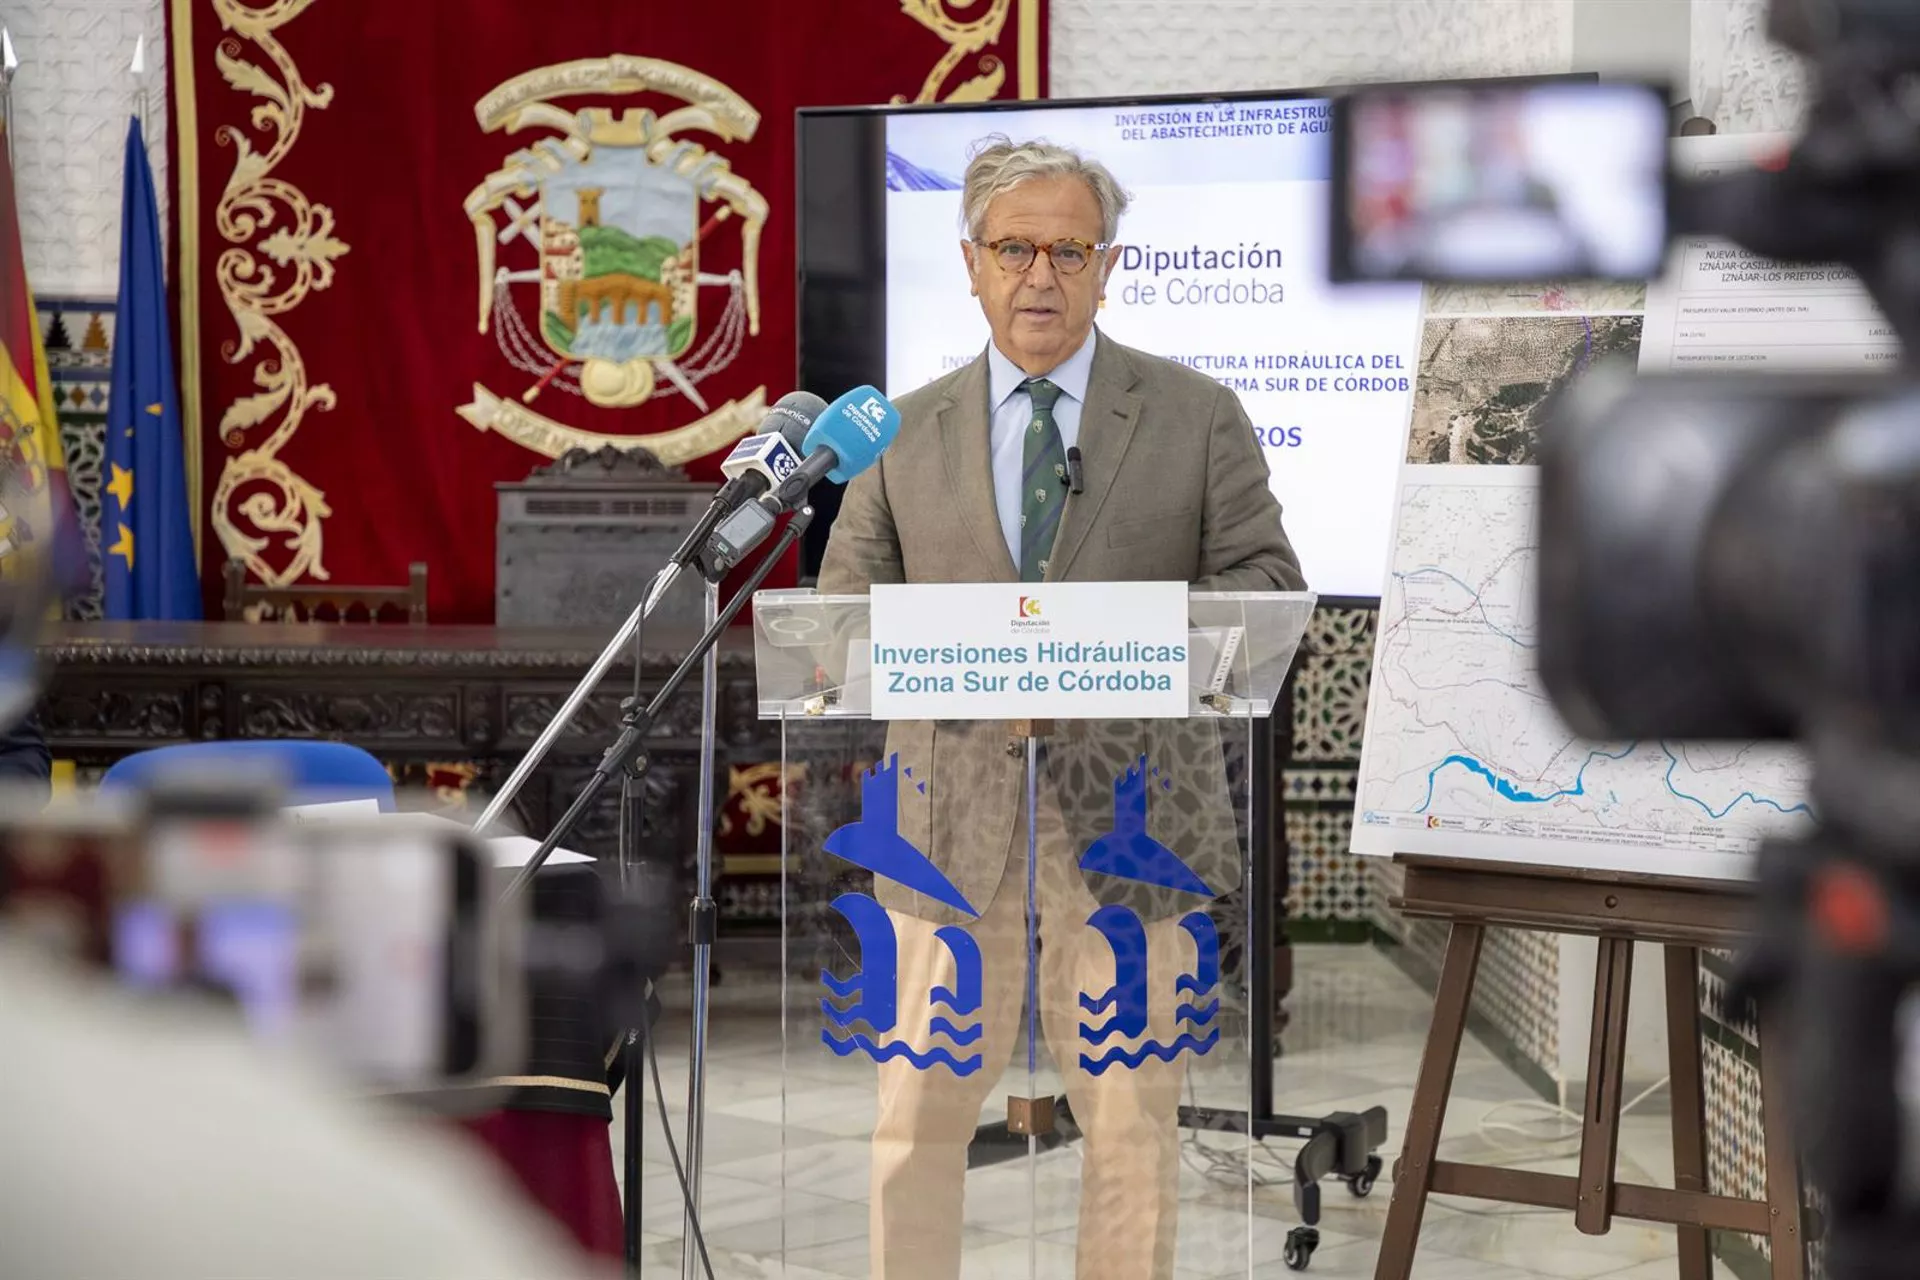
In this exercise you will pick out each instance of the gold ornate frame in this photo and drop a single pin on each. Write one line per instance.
(710, 107)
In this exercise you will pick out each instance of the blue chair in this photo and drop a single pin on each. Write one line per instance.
(311, 772)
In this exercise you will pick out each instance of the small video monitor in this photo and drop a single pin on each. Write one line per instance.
(1491, 184)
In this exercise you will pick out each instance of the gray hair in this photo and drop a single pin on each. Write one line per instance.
(999, 164)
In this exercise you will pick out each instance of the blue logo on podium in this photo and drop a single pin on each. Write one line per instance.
(1129, 853)
(872, 990)
(862, 1009)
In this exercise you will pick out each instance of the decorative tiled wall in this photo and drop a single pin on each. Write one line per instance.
(79, 336)
(1736, 1151)
(1740, 80)
(1736, 1146)
(1519, 993)
(1516, 995)
(1329, 893)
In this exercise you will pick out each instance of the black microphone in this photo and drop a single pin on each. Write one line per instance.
(757, 463)
(849, 437)
(1076, 474)
(768, 456)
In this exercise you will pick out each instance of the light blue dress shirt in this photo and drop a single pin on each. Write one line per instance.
(1012, 413)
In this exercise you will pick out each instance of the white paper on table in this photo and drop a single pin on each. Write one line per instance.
(516, 851)
(329, 810)
(505, 851)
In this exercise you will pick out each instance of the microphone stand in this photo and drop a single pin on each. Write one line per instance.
(704, 915)
(634, 1046)
(627, 758)
(633, 1066)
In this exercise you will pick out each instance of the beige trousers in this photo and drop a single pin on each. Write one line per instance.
(1130, 1160)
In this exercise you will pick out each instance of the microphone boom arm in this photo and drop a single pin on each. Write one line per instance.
(626, 751)
(503, 798)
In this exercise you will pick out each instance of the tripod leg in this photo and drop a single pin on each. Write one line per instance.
(633, 1067)
(1414, 1177)
(1689, 1106)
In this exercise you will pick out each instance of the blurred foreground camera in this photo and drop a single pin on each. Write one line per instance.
(1492, 182)
(1732, 558)
(375, 947)
(1724, 555)
(379, 945)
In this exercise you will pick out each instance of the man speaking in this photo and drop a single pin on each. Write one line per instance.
(1057, 455)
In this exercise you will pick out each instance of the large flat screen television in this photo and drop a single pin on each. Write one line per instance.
(1223, 267)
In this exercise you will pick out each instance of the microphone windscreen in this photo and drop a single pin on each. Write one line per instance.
(793, 415)
(858, 427)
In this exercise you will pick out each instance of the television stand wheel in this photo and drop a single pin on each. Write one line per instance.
(1301, 1242)
(1361, 1184)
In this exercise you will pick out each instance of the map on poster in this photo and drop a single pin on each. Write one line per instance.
(1464, 756)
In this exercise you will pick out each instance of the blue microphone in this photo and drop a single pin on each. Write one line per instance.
(845, 440)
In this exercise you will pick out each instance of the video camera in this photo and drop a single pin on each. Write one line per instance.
(378, 945)
(1726, 555)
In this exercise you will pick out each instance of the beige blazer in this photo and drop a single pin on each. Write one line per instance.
(1175, 490)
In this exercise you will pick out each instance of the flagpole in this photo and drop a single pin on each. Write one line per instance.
(139, 70)
(9, 63)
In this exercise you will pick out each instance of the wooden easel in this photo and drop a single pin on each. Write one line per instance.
(1682, 915)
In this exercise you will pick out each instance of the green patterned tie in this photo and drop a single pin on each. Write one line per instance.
(1043, 482)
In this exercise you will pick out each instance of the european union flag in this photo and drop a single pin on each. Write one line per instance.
(146, 539)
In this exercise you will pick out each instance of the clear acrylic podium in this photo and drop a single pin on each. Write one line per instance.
(1014, 960)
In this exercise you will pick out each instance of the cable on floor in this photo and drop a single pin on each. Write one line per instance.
(1530, 1139)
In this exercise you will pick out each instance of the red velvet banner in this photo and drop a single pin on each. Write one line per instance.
(424, 245)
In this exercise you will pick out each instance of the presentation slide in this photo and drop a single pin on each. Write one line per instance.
(1222, 267)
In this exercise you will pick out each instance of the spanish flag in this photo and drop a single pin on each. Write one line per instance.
(39, 527)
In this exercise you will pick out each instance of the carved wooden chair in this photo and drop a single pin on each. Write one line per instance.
(325, 602)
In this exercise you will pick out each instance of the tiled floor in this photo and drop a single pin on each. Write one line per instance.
(789, 1200)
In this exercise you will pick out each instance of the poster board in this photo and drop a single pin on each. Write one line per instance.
(1463, 755)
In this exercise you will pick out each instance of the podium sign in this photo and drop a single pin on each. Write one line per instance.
(988, 927)
(1029, 650)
